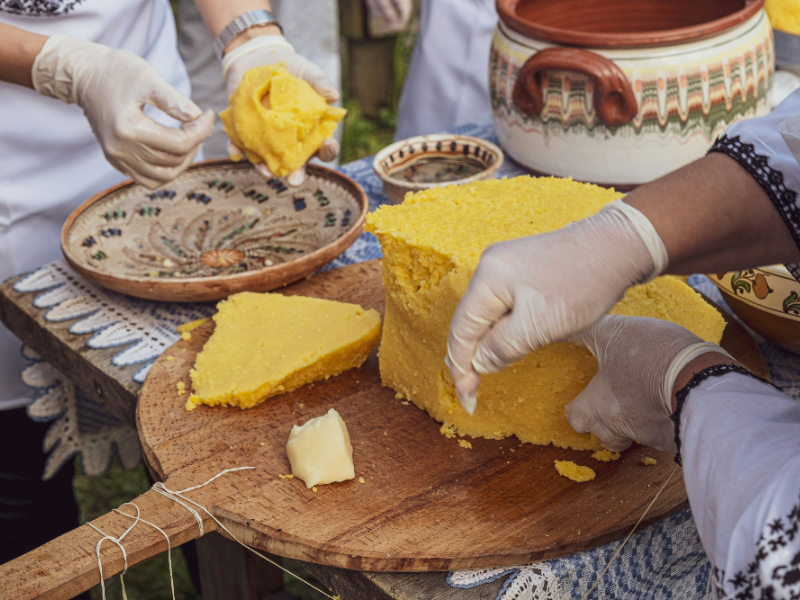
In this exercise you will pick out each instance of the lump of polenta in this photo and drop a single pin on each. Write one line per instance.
(278, 119)
(606, 455)
(570, 470)
(431, 245)
(269, 344)
(648, 461)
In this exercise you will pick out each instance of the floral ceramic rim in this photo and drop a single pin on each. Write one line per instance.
(320, 234)
(405, 153)
(771, 289)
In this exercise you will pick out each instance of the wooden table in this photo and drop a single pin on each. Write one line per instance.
(224, 565)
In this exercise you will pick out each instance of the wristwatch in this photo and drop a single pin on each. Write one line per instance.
(252, 18)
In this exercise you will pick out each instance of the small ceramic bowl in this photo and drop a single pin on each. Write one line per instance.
(428, 161)
(767, 299)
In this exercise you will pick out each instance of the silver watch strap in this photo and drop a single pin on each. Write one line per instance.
(244, 21)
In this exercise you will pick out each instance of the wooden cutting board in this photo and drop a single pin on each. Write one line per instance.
(427, 503)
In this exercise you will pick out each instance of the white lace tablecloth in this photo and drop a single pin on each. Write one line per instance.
(664, 560)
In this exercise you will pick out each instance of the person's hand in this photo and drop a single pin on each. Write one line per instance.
(630, 397)
(392, 14)
(112, 87)
(272, 50)
(530, 292)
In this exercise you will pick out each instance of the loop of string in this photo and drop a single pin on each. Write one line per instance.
(625, 541)
(177, 496)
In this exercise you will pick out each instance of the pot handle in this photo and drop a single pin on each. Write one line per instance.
(613, 96)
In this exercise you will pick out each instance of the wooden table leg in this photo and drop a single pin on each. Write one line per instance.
(227, 570)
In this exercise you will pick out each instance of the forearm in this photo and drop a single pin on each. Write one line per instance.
(18, 50)
(713, 216)
(217, 14)
(741, 456)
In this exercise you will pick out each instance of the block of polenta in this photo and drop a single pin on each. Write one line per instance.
(269, 344)
(431, 245)
(289, 129)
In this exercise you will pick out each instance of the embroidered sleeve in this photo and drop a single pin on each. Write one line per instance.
(740, 444)
(697, 379)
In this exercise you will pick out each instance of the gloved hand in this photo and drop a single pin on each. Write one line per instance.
(272, 50)
(630, 398)
(112, 87)
(530, 292)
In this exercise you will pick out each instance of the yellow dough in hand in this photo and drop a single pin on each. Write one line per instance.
(290, 131)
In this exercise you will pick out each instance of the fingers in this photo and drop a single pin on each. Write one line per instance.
(329, 150)
(317, 79)
(264, 170)
(175, 141)
(583, 414)
(172, 102)
(473, 319)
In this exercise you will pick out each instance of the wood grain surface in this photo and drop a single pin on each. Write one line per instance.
(426, 503)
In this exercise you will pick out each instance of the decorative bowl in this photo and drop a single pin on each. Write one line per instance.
(428, 161)
(619, 93)
(767, 299)
(218, 229)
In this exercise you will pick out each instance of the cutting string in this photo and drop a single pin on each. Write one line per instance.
(177, 496)
(625, 541)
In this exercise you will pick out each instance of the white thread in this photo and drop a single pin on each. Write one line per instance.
(161, 531)
(177, 496)
(619, 550)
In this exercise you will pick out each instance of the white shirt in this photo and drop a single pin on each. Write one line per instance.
(50, 161)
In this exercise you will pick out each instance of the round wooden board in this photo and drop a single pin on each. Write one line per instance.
(426, 504)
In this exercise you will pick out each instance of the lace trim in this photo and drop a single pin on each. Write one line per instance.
(697, 379)
(771, 180)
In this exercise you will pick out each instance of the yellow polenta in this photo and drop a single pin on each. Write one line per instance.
(285, 135)
(268, 344)
(431, 245)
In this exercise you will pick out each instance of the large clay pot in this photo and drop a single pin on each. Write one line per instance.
(620, 92)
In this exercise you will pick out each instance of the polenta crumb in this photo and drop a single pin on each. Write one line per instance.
(570, 470)
(361, 480)
(191, 325)
(285, 476)
(170, 358)
(314, 489)
(448, 430)
(190, 405)
(647, 461)
(464, 444)
(186, 336)
(606, 455)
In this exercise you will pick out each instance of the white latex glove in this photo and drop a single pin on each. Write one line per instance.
(112, 87)
(630, 398)
(272, 50)
(530, 292)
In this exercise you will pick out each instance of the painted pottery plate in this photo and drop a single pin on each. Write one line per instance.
(218, 229)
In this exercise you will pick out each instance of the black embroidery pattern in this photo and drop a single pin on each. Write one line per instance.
(771, 180)
(775, 570)
(697, 379)
(38, 8)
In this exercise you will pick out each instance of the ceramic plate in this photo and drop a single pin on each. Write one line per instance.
(218, 229)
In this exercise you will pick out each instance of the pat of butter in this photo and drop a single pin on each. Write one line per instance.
(320, 451)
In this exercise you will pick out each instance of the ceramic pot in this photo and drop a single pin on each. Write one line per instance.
(428, 161)
(643, 88)
(767, 299)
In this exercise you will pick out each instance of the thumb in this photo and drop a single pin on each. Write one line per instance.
(317, 79)
(585, 411)
(171, 101)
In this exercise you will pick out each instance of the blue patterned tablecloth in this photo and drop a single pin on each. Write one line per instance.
(664, 560)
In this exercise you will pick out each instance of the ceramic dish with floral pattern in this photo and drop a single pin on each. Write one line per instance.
(767, 299)
(218, 229)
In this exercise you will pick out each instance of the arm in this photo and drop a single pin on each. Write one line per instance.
(218, 14)
(18, 50)
(739, 438)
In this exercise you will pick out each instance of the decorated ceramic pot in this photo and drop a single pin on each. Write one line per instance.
(617, 95)
(767, 299)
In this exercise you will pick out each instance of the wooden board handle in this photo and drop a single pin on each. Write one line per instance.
(67, 566)
(614, 100)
